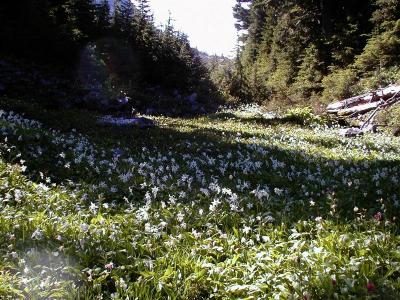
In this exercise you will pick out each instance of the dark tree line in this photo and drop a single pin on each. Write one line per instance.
(294, 50)
(123, 37)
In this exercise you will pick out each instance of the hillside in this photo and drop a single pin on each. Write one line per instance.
(296, 52)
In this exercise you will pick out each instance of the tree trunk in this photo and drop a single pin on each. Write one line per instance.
(361, 102)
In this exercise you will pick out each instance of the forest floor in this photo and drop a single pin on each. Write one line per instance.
(240, 204)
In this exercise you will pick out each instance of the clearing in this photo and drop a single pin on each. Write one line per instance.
(236, 205)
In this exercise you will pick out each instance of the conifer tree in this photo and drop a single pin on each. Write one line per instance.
(123, 17)
(309, 76)
(144, 10)
(383, 48)
(102, 18)
(84, 15)
(242, 16)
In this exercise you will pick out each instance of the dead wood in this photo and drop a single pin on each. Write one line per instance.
(378, 95)
(362, 104)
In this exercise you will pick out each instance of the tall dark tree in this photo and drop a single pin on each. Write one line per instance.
(84, 14)
(144, 10)
(242, 14)
(102, 18)
(123, 19)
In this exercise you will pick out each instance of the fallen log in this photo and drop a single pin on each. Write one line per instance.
(359, 109)
(363, 104)
(350, 102)
(377, 95)
(394, 99)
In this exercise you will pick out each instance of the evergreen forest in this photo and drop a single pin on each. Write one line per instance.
(294, 51)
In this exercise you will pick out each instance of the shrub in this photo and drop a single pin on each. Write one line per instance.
(302, 116)
(342, 83)
(390, 116)
(383, 78)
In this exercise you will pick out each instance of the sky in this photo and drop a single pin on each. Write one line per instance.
(209, 24)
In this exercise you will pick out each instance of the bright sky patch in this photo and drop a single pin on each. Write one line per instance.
(208, 23)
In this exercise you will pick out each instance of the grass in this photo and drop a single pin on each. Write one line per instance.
(214, 207)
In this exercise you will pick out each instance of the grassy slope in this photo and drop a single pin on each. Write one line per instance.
(228, 206)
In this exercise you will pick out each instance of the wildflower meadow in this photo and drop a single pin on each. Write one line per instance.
(240, 204)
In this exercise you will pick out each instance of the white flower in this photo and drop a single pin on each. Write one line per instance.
(84, 227)
(125, 177)
(37, 235)
(278, 191)
(93, 206)
(260, 193)
(147, 196)
(246, 229)
(180, 217)
(205, 192)
(318, 219)
(214, 204)
(122, 284)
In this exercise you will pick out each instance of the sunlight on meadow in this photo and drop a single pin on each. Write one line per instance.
(239, 204)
